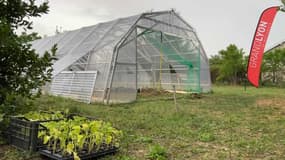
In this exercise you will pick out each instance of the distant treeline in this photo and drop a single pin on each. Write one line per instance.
(230, 66)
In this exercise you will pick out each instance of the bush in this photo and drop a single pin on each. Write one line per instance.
(157, 152)
(13, 105)
(206, 137)
(16, 104)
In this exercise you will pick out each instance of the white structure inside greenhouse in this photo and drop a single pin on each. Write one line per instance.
(109, 62)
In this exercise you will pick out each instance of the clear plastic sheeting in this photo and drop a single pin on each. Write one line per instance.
(150, 50)
(76, 85)
(177, 61)
(123, 83)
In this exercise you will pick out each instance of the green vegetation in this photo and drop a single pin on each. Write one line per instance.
(42, 116)
(21, 69)
(273, 67)
(230, 123)
(70, 137)
(157, 152)
(230, 65)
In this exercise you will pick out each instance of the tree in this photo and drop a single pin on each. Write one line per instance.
(273, 65)
(232, 67)
(21, 69)
(29, 37)
(215, 63)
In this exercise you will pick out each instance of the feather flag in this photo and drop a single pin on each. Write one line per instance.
(258, 44)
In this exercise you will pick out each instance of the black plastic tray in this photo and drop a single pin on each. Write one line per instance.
(23, 134)
(83, 156)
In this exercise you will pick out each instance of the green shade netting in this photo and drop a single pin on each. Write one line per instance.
(172, 47)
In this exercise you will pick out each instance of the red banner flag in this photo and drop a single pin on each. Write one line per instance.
(258, 44)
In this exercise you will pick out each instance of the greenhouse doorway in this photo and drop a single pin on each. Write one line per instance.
(165, 60)
(154, 59)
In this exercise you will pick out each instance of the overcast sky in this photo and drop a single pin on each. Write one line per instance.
(217, 22)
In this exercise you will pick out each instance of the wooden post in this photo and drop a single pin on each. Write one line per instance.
(160, 68)
(174, 97)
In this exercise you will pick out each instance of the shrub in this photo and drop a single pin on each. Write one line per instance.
(157, 152)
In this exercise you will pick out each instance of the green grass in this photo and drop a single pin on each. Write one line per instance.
(230, 123)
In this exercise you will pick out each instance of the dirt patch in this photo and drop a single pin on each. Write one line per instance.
(138, 151)
(149, 92)
(152, 92)
(276, 103)
(3, 149)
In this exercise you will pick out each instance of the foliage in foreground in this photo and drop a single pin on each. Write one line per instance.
(157, 152)
(43, 116)
(21, 69)
(71, 137)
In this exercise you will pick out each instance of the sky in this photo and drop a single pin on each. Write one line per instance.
(218, 23)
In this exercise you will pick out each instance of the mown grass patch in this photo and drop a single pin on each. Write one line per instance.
(227, 124)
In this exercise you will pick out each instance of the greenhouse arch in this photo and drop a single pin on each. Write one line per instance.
(109, 62)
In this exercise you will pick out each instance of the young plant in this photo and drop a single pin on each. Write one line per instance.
(42, 116)
(157, 152)
(71, 137)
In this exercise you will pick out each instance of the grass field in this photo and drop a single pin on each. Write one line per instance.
(229, 123)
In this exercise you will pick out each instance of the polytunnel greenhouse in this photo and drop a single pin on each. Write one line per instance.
(110, 61)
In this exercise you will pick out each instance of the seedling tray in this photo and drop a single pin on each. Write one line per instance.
(84, 155)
